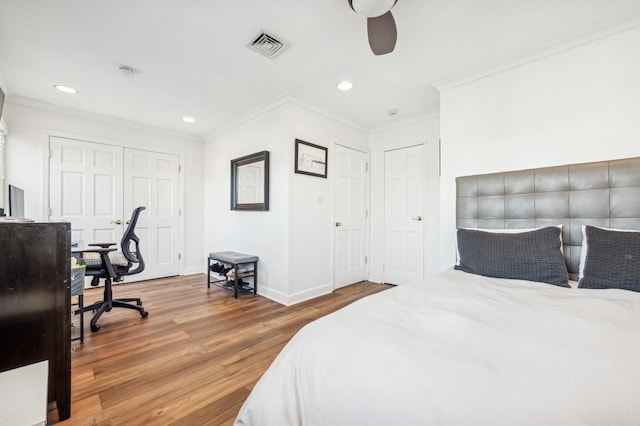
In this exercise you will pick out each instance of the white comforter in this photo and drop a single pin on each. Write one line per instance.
(461, 349)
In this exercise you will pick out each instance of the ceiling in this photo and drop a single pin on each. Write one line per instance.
(192, 60)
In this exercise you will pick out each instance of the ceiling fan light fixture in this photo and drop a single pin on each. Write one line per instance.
(372, 8)
(345, 85)
(187, 119)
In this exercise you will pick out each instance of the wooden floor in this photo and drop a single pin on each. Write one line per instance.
(192, 361)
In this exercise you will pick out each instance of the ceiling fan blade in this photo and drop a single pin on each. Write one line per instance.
(351, 4)
(382, 34)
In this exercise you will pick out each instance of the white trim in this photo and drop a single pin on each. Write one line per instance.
(292, 299)
(297, 100)
(591, 34)
(280, 100)
(406, 121)
(276, 296)
(45, 106)
(355, 147)
(194, 270)
(310, 293)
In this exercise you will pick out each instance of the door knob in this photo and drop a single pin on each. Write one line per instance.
(338, 224)
(418, 218)
(117, 222)
(128, 221)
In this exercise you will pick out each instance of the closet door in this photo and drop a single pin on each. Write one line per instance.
(151, 179)
(85, 188)
(96, 187)
(404, 213)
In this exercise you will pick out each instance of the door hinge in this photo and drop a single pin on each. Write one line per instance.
(366, 260)
(49, 211)
(179, 168)
(179, 212)
(366, 167)
(179, 256)
(366, 212)
(50, 153)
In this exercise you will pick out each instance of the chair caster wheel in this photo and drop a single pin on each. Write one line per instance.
(95, 327)
(144, 314)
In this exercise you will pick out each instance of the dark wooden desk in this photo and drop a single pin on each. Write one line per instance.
(35, 303)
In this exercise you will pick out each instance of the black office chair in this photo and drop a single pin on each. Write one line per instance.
(106, 263)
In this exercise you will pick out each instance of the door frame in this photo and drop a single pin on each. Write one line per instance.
(367, 226)
(47, 134)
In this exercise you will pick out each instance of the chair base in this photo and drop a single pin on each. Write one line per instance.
(103, 306)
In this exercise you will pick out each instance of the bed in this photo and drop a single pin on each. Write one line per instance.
(539, 325)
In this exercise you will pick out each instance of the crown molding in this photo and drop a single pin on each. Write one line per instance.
(406, 121)
(280, 100)
(588, 35)
(247, 116)
(45, 106)
(297, 100)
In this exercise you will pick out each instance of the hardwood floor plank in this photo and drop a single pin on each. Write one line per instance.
(193, 360)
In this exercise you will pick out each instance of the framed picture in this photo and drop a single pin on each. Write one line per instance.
(311, 159)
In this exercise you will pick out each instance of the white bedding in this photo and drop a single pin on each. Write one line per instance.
(460, 349)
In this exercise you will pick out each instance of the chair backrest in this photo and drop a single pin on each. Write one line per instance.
(128, 238)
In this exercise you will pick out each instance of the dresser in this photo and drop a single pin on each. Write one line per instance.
(35, 303)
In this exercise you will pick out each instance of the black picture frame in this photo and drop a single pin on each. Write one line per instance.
(236, 164)
(310, 159)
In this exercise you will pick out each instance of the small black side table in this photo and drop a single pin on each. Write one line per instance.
(234, 260)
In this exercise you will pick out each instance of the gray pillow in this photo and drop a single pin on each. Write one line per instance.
(612, 259)
(531, 256)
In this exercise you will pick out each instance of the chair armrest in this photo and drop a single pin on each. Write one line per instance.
(103, 245)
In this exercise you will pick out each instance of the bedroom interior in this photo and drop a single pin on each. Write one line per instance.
(484, 90)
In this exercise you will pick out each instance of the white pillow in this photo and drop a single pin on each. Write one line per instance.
(584, 248)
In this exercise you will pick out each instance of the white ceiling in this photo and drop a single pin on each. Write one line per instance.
(192, 58)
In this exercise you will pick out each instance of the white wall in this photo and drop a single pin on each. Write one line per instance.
(423, 131)
(261, 233)
(27, 159)
(311, 224)
(294, 238)
(579, 105)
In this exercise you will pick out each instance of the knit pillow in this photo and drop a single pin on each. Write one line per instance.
(531, 256)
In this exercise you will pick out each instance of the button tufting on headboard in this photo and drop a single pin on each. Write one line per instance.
(605, 193)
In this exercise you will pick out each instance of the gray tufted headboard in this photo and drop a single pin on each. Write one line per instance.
(605, 193)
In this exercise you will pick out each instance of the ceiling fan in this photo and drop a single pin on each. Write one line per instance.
(381, 27)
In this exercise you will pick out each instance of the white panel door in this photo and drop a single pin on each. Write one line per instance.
(85, 188)
(151, 179)
(351, 204)
(404, 205)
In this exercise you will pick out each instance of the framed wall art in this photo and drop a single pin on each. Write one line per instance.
(311, 159)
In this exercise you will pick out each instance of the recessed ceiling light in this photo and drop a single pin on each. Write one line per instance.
(392, 111)
(345, 85)
(66, 89)
(189, 119)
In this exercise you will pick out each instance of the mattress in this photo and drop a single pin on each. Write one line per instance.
(461, 349)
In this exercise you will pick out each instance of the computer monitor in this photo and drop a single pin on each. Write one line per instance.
(16, 202)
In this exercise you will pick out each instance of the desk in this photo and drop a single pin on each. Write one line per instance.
(35, 303)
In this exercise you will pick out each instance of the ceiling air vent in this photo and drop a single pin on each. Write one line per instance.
(266, 45)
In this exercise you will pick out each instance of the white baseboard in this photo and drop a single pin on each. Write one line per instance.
(194, 270)
(292, 299)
